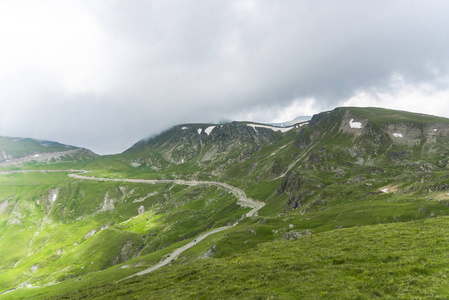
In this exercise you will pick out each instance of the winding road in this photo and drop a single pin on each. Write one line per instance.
(243, 200)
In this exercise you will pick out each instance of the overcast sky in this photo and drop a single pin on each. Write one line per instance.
(105, 74)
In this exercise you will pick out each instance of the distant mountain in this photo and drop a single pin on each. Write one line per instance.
(296, 120)
(15, 151)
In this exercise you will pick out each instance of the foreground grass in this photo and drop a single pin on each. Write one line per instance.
(396, 261)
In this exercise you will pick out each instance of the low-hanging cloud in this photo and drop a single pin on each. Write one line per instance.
(104, 74)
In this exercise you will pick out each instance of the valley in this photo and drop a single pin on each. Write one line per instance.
(351, 204)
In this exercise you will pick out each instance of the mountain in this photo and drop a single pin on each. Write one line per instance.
(208, 148)
(16, 151)
(299, 119)
(352, 204)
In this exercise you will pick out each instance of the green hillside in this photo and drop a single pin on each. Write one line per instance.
(393, 261)
(29, 153)
(356, 203)
(18, 147)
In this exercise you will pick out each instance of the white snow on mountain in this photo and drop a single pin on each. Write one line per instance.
(281, 129)
(209, 129)
(353, 124)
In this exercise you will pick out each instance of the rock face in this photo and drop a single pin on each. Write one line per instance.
(4, 204)
(295, 202)
(290, 184)
(126, 253)
(276, 169)
(108, 203)
(53, 195)
(293, 235)
(210, 252)
(141, 210)
(90, 233)
(34, 268)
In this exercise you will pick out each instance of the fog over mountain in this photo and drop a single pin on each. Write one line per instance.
(104, 74)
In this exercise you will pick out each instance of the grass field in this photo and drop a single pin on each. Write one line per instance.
(393, 261)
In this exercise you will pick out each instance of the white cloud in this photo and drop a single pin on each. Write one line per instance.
(278, 114)
(59, 42)
(428, 97)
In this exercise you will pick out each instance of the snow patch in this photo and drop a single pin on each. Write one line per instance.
(398, 135)
(435, 129)
(384, 191)
(278, 150)
(353, 124)
(184, 128)
(36, 155)
(200, 130)
(274, 128)
(209, 129)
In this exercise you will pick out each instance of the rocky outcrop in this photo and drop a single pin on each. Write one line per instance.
(293, 235)
(276, 169)
(126, 253)
(4, 204)
(141, 210)
(290, 184)
(108, 203)
(303, 139)
(210, 252)
(295, 202)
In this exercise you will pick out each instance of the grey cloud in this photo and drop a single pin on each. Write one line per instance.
(291, 49)
(170, 62)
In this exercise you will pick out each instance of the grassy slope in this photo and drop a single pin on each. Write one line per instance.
(55, 239)
(396, 261)
(383, 115)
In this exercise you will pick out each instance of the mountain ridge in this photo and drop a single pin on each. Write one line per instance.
(349, 173)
